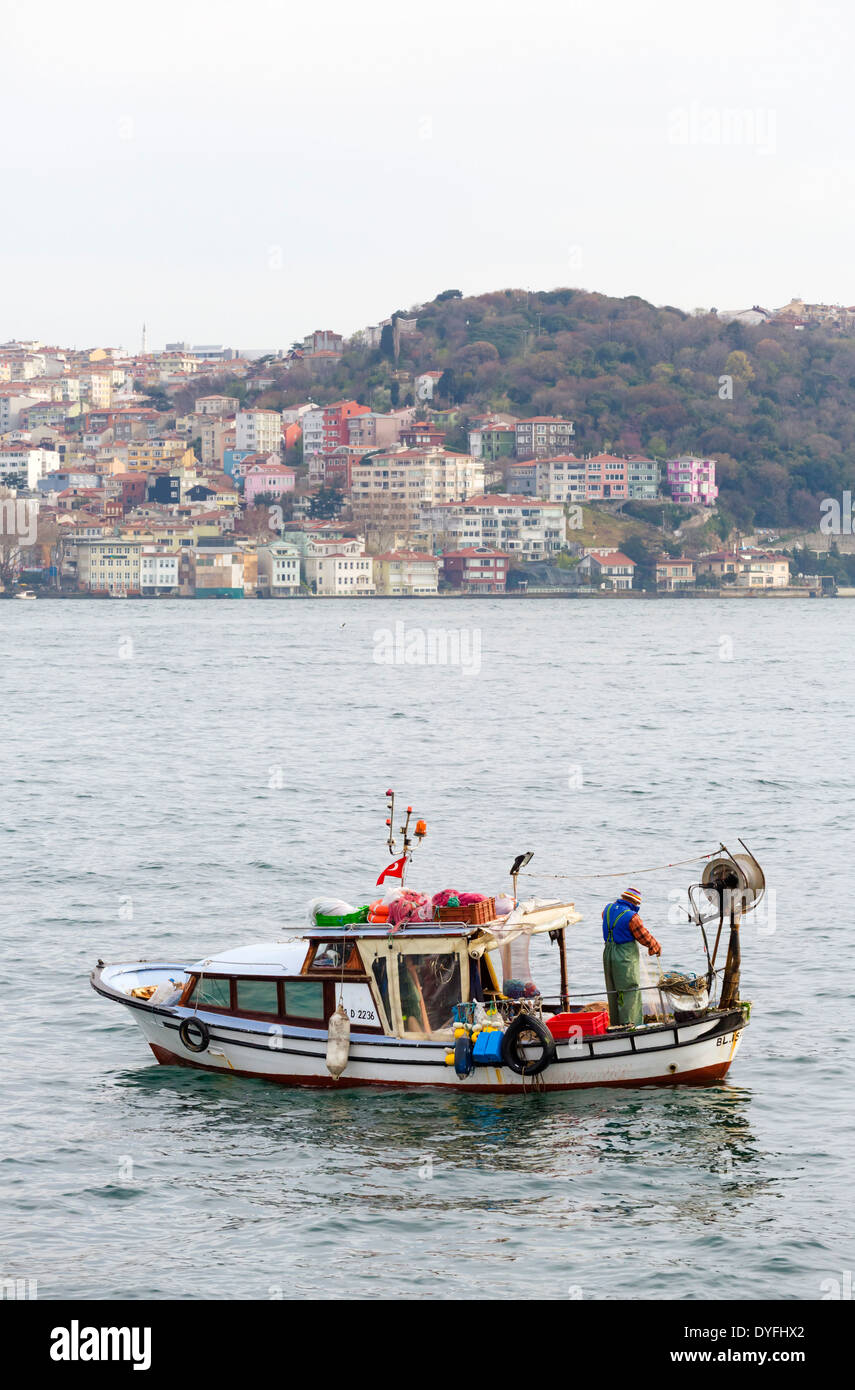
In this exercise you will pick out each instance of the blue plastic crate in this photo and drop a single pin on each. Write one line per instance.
(487, 1051)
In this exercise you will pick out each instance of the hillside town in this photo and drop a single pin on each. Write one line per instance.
(168, 474)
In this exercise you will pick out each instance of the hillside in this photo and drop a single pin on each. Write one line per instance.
(634, 378)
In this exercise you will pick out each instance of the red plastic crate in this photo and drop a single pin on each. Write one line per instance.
(563, 1025)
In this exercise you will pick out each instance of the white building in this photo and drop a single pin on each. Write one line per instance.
(339, 569)
(561, 479)
(158, 570)
(259, 431)
(26, 462)
(531, 528)
(12, 402)
(312, 424)
(278, 569)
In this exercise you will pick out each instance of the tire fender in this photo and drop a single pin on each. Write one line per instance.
(194, 1034)
(511, 1054)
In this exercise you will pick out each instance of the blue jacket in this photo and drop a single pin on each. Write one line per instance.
(618, 916)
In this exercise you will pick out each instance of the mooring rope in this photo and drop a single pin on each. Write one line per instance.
(630, 873)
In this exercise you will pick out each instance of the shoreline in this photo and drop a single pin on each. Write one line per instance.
(619, 596)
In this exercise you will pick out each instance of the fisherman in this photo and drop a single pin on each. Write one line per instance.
(623, 929)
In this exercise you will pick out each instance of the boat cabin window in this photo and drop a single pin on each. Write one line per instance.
(211, 992)
(430, 987)
(257, 997)
(304, 999)
(381, 976)
(328, 955)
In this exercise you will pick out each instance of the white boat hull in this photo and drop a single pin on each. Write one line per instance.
(695, 1053)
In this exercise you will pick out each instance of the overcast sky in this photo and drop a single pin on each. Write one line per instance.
(244, 173)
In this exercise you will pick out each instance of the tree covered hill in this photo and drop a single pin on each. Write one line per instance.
(774, 405)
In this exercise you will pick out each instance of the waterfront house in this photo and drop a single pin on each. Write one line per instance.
(610, 569)
(677, 573)
(406, 572)
(278, 569)
(476, 570)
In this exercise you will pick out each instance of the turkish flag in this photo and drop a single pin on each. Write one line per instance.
(394, 870)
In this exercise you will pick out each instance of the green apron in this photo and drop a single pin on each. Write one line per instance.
(623, 980)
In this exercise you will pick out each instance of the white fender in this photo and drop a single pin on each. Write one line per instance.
(338, 1046)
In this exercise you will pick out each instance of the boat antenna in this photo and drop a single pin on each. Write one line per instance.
(399, 867)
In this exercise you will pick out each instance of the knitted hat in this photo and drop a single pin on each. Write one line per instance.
(633, 896)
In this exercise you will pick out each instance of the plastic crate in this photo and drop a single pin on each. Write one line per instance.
(487, 1051)
(473, 913)
(566, 1025)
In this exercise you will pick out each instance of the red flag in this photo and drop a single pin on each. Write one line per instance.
(394, 870)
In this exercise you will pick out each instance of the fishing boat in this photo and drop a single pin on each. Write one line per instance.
(442, 997)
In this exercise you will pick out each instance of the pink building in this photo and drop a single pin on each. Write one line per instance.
(605, 477)
(273, 478)
(692, 480)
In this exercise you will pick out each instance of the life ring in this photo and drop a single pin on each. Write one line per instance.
(188, 1027)
(511, 1054)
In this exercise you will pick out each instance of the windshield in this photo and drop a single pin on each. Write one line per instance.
(430, 987)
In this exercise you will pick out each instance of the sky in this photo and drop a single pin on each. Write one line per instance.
(246, 173)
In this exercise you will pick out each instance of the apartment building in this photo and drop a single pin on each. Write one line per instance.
(370, 430)
(278, 570)
(519, 525)
(493, 442)
(272, 479)
(258, 431)
(562, 478)
(692, 480)
(145, 455)
(109, 565)
(97, 386)
(606, 478)
(392, 490)
(543, 435)
(13, 400)
(327, 426)
(215, 405)
(334, 469)
(643, 478)
(399, 572)
(342, 573)
(678, 573)
(23, 465)
(476, 570)
(159, 571)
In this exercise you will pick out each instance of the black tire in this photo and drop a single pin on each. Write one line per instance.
(511, 1055)
(463, 1064)
(194, 1034)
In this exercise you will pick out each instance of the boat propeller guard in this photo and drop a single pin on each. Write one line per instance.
(194, 1034)
(512, 1056)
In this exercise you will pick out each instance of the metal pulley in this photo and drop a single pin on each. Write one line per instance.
(736, 880)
